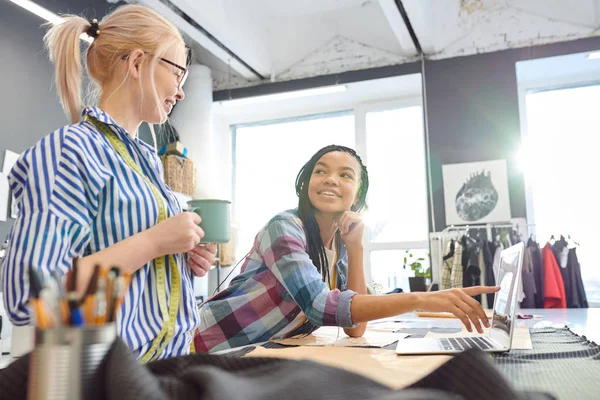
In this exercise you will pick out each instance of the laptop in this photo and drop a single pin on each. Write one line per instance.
(499, 336)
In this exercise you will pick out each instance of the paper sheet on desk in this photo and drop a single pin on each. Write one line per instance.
(334, 336)
(383, 366)
(390, 326)
(521, 338)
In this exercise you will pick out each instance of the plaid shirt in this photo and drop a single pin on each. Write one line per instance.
(278, 281)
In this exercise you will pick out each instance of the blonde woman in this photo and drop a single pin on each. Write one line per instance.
(94, 190)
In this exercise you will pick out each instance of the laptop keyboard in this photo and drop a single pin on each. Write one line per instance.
(466, 343)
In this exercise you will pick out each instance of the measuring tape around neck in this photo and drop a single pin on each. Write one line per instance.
(169, 314)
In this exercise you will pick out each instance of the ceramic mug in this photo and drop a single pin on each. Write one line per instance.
(215, 219)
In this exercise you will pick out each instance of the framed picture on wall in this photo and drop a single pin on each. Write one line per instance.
(476, 193)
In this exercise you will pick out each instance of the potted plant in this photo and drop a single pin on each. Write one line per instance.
(418, 283)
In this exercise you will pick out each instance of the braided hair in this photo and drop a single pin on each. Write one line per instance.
(306, 211)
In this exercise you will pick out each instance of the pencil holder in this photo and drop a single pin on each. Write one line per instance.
(65, 362)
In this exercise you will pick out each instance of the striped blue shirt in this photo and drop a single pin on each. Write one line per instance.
(76, 196)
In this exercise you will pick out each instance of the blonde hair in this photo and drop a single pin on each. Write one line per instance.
(127, 28)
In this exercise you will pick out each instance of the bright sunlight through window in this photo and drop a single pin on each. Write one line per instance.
(561, 161)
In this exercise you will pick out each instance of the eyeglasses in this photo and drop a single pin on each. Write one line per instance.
(181, 78)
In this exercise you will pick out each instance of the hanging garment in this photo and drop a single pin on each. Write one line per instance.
(481, 261)
(578, 299)
(504, 239)
(561, 252)
(465, 258)
(437, 258)
(490, 279)
(554, 288)
(472, 272)
(528, 279)
(538, 272)
(456, 275)
(447, 266)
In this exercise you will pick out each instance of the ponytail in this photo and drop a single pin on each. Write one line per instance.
(64, 47)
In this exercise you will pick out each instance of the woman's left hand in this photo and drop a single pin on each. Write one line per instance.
(351, 228)
(201, 258)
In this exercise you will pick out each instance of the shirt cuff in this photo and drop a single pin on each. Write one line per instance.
(343, 314)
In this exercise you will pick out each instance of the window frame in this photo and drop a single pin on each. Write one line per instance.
(525, 88)
(359, 110)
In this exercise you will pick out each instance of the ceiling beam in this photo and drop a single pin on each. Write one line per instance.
(396, 22)
(409, 26)
(203, 37)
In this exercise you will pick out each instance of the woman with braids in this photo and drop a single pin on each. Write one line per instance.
(305, 269)
(94, 190)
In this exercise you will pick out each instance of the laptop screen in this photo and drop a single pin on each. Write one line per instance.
(507, 279)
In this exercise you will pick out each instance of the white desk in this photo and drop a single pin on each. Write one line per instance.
(582, 321)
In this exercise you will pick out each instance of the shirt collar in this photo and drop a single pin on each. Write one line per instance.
(100, 115)
(103, 116)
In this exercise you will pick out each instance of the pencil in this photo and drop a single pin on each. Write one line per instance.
(89, 299)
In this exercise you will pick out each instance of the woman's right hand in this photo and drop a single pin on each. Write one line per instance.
(459, 302)
(177, 234)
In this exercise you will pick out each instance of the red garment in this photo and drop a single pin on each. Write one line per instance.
(554, 286)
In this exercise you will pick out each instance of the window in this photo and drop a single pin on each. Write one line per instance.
(268, 156)
(561, 166)
(398, 192)
(387, 269)
(397, 217)
(390, 139)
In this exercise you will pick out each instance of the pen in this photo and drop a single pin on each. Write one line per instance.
(42, 318)
(75, 316)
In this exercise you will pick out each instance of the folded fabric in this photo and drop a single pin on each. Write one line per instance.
(468, 376)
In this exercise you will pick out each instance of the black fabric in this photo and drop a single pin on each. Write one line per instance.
(538, 272)
(468, 376)
(557, 249)
(465, 376)
(451, 252)
(577, 298)
(465, 258)
(561, 363)
(472, 274)
(490, 279)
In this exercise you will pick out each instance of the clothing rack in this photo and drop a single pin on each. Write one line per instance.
(488, 227)
(438, 241)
